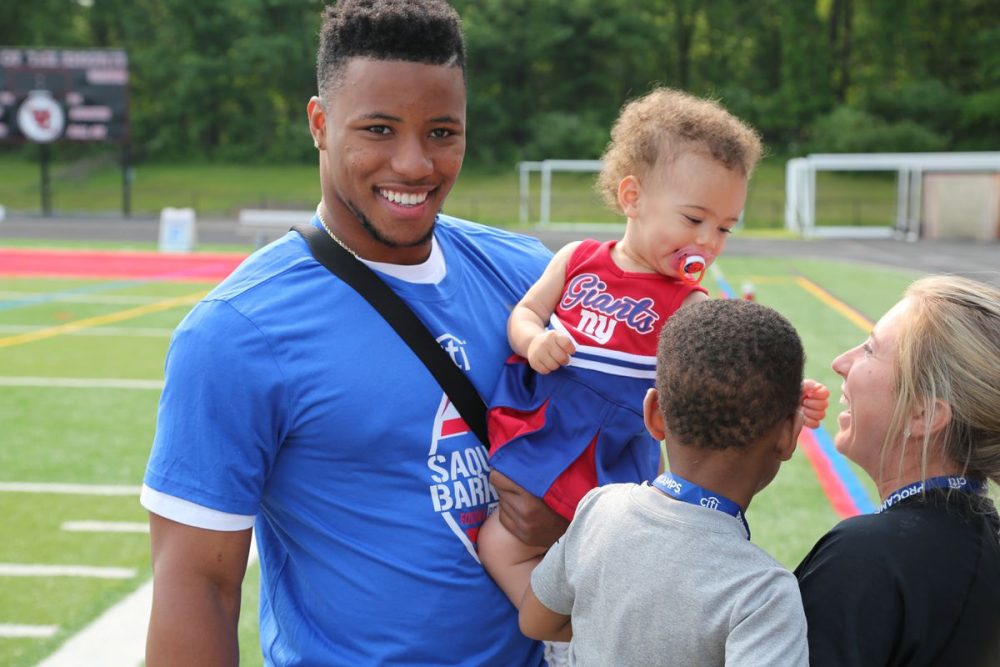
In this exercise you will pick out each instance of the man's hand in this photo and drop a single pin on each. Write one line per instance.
(527, 517)
(549, 351)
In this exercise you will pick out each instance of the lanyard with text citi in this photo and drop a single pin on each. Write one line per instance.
(689, 492)
(956, 483)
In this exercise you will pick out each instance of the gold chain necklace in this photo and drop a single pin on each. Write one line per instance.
(322, 221)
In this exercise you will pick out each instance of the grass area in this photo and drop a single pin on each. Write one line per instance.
(785, 518)
(73, 435)
(58, 434)
(486, 196)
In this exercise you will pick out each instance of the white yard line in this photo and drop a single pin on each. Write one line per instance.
(70, 489)
(10, 631)
(118, 637)
(80, 383)
(105, 527)
(88, 571)
(144, 332)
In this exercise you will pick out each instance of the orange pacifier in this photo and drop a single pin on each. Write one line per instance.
(691, 267)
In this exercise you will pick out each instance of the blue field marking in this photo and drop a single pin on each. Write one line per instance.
(720, 280)
(47, 297)
(855, 489)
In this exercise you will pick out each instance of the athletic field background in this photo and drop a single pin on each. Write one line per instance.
(80, 372)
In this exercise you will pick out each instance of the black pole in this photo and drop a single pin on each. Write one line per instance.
(126, 182)
(46, 189)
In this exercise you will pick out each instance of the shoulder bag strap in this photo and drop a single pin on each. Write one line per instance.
(407, 325)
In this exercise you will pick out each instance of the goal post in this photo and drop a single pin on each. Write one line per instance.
(913, 171)
(546, 168)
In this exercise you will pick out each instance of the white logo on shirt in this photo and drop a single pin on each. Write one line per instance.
(459, 485)
(455, 349)
(599, 327)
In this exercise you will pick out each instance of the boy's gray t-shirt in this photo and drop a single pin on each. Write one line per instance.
(650, 580)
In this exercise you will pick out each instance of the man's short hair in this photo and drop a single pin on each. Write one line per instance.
(727, 372)
(419, 31)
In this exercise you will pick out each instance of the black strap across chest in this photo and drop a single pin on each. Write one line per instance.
(404, 321)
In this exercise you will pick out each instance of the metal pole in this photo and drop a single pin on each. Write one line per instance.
(126, 183)
(902, 199)
(916, 209)
(523, 185)
(546, 194)
(46, 189)
(810, 219)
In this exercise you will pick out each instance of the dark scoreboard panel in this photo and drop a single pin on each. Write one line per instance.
(49, 95)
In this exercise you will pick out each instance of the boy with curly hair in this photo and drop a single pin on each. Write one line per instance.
(660, 573)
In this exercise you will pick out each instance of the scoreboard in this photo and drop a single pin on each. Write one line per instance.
(51, 95)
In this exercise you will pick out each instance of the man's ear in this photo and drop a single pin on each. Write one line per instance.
(317, 122)
(652, 416)
(940, 417)
(629, 190)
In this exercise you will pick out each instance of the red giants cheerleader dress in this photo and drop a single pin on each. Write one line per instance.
(561, 434)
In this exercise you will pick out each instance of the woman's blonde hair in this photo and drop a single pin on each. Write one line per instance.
(949, 350)
(661, 125)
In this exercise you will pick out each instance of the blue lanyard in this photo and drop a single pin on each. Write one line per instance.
(957, 483)
(689, 492)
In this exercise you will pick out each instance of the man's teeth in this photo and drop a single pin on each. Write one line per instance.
(404, 198)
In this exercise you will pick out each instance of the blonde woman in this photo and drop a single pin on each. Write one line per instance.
(918, 583)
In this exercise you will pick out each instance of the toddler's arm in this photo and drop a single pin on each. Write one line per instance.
(815, 401)
(539, 622)
(545, 350)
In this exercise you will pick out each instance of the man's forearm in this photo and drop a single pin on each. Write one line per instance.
(192, 624)
(197, 582)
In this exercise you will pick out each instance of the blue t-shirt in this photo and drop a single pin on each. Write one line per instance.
(289, 398)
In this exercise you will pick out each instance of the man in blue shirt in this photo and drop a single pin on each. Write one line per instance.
(291, 407)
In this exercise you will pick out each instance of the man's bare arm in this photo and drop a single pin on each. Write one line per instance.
(197, 577)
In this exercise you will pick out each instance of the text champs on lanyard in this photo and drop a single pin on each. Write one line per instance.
(689, 492)
(957, 483)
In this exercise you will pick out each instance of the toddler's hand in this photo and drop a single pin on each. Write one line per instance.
(815, 401)
(549, 351)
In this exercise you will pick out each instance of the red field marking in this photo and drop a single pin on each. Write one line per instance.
(829, 481)
(110, 264)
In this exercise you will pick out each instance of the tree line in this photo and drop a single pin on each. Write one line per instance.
(224, 80)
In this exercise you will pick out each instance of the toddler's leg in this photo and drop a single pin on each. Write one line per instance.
(508, 560)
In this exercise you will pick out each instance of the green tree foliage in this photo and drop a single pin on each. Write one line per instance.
(228, 80)
(847, 130)
(537, 63)
(41, 23)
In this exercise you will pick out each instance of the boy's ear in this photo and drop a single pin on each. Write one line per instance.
(317, 122)
(788, 436)
(652, 416)
(629, 190)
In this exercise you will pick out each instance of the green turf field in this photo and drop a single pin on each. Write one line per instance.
(79, 408)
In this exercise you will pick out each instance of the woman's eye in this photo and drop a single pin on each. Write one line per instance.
(441, 133)
(379, 129)
(693, 221)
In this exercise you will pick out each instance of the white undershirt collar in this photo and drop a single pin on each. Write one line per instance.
(430, 271)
